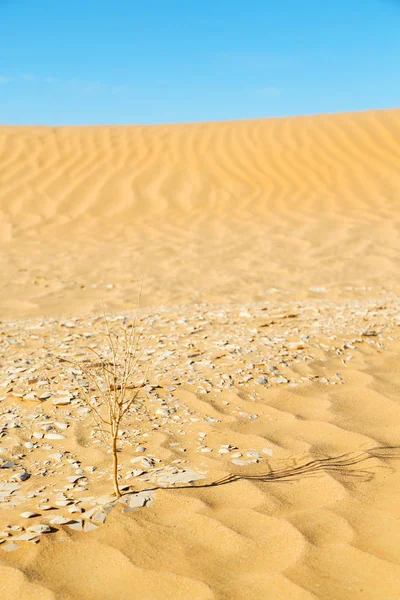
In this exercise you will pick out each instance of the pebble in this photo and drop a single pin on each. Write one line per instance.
(55, 436)
(75, 509)
(268, 451)
(90, 526)
(279, 379)
(163, 412)
(9, 547)
(61, 400)
(27, 537)
(263, 380)
(39, 529)
(22, 476)
(59, 520)
(76, 525)
(144, 460)
(99, 517)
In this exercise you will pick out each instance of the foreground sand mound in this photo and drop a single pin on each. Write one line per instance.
(266, 451)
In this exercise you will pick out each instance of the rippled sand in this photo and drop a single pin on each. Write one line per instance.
(267, 247)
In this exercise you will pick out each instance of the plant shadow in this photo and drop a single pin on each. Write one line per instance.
(347, 465)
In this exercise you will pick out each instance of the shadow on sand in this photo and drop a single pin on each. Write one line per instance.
(347, 465)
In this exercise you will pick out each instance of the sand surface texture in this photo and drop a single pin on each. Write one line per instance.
(262, 460)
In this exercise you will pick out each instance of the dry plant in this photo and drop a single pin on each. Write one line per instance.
(114, 382)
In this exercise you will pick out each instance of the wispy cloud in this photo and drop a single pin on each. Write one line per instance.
(4, 79)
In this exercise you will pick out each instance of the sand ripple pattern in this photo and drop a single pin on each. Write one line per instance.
(203, 211)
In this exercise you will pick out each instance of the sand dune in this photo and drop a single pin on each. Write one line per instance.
(286, 203)
(268, 249)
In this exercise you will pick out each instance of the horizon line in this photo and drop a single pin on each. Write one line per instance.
(201, 121)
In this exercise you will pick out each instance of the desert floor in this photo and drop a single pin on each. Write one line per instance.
(266, 444)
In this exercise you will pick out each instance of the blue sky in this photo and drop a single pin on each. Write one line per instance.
(155, 61)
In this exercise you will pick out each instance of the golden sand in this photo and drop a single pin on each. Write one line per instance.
(267, 248)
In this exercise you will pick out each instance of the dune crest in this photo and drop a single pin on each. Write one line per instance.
(324, 163)
(288, 203)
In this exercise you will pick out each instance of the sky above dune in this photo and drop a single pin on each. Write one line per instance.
(130, 61)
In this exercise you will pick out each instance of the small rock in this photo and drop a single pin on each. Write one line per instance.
(163, 412)
(76, 525)
(10, 547)
(22, 476)
(90, 526)
(280, 379)
(61, 400)
(59, 520)
(54, 436)
(99, 517)
(39, 529)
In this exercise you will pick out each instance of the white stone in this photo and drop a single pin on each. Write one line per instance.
(55, 436)
(39, 529)
(61, 400)
(268, 451)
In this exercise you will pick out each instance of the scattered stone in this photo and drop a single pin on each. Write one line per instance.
(99, 517)
(59, 520)
(27, 537)
(24, 476)
(138, 500)
(39, 529)
(163, 412)
(90, 526)
(279, 379)
(10, 547)
(55, 436)
(61, 400)
(268, 451)
(76, 525)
